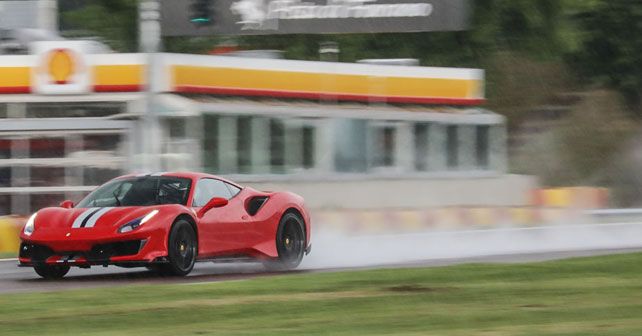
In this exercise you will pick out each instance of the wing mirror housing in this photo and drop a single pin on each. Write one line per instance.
(67, 204)
(216, 202)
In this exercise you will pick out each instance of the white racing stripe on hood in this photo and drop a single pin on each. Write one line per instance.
(92, 221)
(78, 222)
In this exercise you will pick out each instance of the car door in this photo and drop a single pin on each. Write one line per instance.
(243, 232)
(219, 227)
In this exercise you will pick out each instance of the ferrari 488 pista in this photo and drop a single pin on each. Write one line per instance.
(167, 222)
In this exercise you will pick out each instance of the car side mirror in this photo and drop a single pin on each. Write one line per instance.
(216, 202)
(67, 204)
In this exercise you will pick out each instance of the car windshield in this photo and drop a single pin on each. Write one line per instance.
(139, 191)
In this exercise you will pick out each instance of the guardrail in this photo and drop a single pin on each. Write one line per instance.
(607, 212)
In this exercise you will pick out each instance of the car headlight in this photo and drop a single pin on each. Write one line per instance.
(30, 226)
(134, 224)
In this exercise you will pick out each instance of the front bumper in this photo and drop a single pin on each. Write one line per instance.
(136, 249)
(100, 254)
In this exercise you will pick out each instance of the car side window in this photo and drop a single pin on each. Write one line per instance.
(206, 189)
(234, 190)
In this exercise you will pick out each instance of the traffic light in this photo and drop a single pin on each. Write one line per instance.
(202, 12)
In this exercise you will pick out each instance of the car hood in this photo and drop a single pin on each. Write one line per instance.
(65, 219)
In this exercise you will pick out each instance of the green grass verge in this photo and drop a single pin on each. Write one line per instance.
(588, 296)
(8, 255)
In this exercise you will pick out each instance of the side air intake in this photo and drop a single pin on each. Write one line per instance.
(255, 204)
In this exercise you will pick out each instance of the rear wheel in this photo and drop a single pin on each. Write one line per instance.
(51, 271)
(182, 248)
(290, 243)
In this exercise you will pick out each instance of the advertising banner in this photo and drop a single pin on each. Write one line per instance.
(266, 17)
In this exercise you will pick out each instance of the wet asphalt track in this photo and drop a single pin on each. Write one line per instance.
(15, 279)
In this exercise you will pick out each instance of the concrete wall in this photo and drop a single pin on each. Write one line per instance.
(410, 193)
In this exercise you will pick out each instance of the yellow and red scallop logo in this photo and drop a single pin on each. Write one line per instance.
(61, 66)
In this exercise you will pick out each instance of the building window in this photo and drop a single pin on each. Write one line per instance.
(421, 147)
(5, 148)
(244, 144)
(5, 205)
(100, 142)
(482, 146)
(176, 127)
(277, 146)
(384, 146)
(5, 177)
(210, 142)
(452, 146)
(47, 147)
(351, 144)
(47, 176)
(308, 135)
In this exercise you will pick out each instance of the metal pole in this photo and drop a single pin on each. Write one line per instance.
(149, 21)
(48, 15)
(329, 52)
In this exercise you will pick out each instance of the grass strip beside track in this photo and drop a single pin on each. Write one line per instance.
(587, 296)
(4, 255)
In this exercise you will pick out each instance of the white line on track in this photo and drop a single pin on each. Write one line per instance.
(8, 260)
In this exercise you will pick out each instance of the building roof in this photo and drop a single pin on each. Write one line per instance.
(69, 67)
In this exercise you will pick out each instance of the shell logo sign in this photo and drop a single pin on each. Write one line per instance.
(61, 68)
(70, 68)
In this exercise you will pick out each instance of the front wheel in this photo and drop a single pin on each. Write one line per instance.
(52, 271)
(290, 243)
(182, 248)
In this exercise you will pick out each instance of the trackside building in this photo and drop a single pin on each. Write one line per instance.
(334, 132)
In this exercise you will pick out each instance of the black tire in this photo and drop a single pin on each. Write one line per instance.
(290, 243)
(52, 271)
(182, 249)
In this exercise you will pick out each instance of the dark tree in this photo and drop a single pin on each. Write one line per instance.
(611, 49)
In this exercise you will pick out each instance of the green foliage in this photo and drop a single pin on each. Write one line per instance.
(196, 45)
(611, 46)
(114, 21)
(524, 25)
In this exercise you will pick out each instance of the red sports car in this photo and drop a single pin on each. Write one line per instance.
(166, 222)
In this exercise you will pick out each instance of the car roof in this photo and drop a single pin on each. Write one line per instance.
(189, 175)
